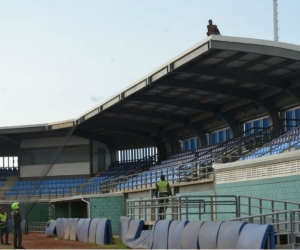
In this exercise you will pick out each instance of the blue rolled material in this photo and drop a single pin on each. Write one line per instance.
(229, 234)
(67, 229)
(73, 226)
(175, 232)
(159, 236)
(84, 231)
(92, 230)
(78, 228)
(124, 225)
(189, 237)
(104, 232)
(134, 230)
(60, 227)
(208, 234)
(143, 242)
(51, 229)
(254, 236)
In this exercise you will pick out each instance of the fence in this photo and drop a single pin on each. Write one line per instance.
(183, 208)
(283, 215)
(36, 227)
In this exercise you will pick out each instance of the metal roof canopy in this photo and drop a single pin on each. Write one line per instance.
(218, 83)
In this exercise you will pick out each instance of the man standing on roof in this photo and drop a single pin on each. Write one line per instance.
(164, 190)
(17, 219)
(4, 226)
(212, 29)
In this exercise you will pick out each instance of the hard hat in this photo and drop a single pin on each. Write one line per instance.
(15, 205)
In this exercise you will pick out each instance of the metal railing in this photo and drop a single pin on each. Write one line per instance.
(183, 207)
(291, 139)
(46, 193)
(36, 227)
(283, 215)
(184, 173)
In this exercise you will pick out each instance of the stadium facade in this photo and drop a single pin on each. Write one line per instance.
(230, 96)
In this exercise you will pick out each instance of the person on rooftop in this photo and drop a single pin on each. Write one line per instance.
(212, 29)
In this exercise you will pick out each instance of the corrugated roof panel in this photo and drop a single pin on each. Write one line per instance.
(235, 64)
(225, 54)
(279, 72)
(259, 67)
(293, 66)
(250, 57)
(274, 60)
(212, 61)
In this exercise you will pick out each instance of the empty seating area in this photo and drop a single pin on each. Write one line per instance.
(45, 187)
(182, 173)
(127, 167)
(278, 145)
(175, 159)
(185, 166)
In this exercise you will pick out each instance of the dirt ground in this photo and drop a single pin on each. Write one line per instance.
(32, 241)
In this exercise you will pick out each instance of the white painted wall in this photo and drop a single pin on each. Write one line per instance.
(63, 169)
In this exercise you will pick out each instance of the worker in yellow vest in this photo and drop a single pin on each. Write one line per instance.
(4, 226)
(162, 190)
(16, 220)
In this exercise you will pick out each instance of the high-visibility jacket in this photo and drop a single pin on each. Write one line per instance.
(163, 188)
(3, 220)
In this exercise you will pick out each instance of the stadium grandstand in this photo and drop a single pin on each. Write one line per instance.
(220, 121)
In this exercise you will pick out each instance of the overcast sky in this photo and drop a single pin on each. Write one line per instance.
(60, 58)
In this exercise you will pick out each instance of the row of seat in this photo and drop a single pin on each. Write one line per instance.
(46, 182)
(98, 179)
(26, 187)
(58, 187)
(278, 145)
(38, 192)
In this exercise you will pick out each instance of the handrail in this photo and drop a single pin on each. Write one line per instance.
(273, 146)
(192, 171)
(182, 207)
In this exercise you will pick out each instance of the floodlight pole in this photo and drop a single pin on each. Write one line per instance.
(275, 20)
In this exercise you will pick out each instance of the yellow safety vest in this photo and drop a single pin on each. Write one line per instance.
(3, 218)
(162, 186)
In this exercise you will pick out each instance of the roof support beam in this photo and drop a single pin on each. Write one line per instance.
(197, 127)
(162, 152)
(126, 130)
(173, 141)
(123, 123)
(147, 114)
(274, 118)
(233, 125)
(237, 75)
(175, 102)
(210, 87)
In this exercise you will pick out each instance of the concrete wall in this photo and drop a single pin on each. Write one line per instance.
(60, 169)
(95, 146)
